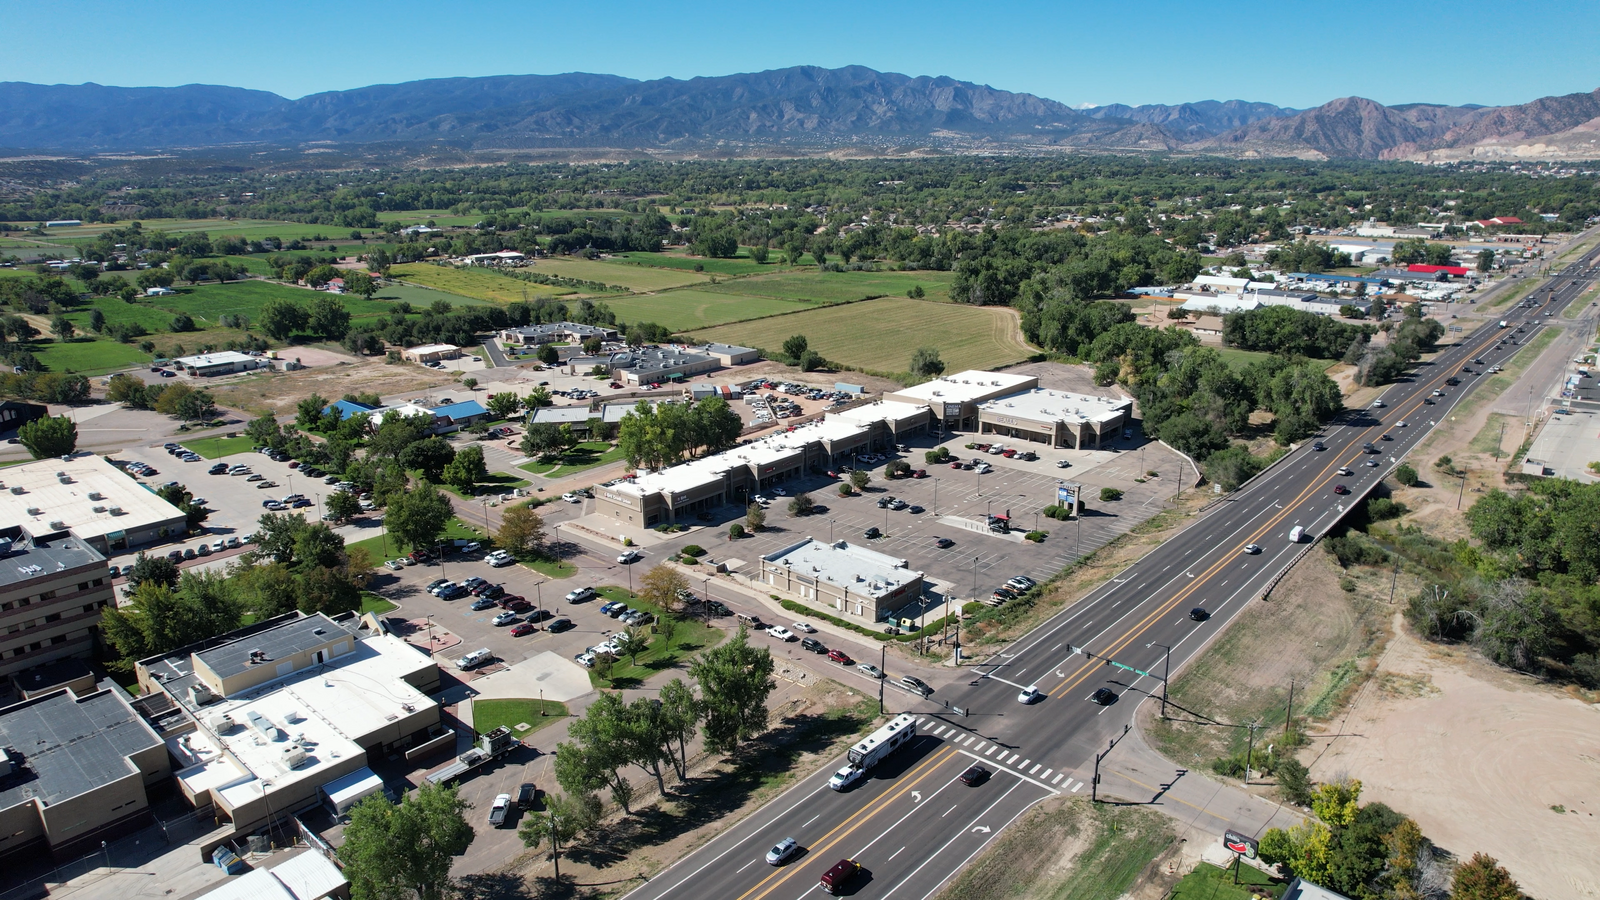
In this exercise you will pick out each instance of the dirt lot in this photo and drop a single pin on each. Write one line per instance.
(1474, 754)
(331, 375)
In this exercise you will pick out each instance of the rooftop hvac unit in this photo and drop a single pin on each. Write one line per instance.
(65, 479)
(18, 490)
(293, 716)
(200, 695)
(96, 495)
(61, 474)
(99, 509)
(221, 723)
(116, 510)
(58, 525)
(294, 757)
(34, 511)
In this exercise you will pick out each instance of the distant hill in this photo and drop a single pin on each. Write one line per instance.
(798, 109)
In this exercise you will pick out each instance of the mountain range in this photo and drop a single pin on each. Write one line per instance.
(782, 111)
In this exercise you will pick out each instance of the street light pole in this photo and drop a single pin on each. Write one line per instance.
(1166, 671)
(883, 660)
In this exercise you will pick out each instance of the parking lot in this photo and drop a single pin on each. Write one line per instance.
(955, 505)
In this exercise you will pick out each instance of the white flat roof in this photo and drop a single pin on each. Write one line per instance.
(328, 711)
(220, 358)
(967, 387)
(710, 469)
(863, 571)
(431, 348)
(881, 411)
(1041, 405)
(45, 498)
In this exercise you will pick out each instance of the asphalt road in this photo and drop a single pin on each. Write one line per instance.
(912, 825)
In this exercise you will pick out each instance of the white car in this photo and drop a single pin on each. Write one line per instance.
(845, 777)
(781, 633)
(394, 565)
(219, 546)
(572, 498)
(1030, 694)
(807, 627)
(761, 501)
(586, 660)
(628, 557)
(1378, 404)
(1400, 424)
(1062, 464)
(499, 559)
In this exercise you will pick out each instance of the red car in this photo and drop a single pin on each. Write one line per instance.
(1340, 489)
(840, 657)
(294, 463)
(1008, 453)
(522, 628)
(919, 473)
(515, 604)
(956, 464)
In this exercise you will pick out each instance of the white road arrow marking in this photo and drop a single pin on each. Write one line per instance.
(980, 829)
(916, 796)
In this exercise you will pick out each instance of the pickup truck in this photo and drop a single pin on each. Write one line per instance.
(499, 810)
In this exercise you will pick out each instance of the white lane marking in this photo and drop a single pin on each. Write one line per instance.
(896, 853)
(746, 866)
(812, 819)
(950, 810)
(976, 850)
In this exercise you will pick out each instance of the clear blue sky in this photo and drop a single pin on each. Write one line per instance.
(1288, 52)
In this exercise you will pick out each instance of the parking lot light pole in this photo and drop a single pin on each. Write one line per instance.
(936, 496)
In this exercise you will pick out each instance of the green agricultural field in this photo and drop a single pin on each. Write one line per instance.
(423, 297)
(91, 357)
(835, 287)
(120, 313)
(480, 283)
(691, 308)
(628, 275)
(207, 302)
(880, 335)
(740, 265)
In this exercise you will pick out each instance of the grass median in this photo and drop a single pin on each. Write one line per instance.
(488, 715)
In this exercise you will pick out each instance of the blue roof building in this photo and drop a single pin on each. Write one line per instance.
(348, 408)
(463, 413)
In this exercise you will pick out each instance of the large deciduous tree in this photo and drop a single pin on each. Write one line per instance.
(735, 680)
(50, 436)
(399, 851)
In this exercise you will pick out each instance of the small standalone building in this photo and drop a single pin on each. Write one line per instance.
(75, 770)
(653, 365)
(225, 362)
(730, 355)
(1055, 418)
(425, 353)
(454, 416)
(954, 399)
(849, 580)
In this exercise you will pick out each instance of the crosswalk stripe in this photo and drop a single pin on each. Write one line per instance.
(980, 746)
(1024, 764)
(1078, 787)
(1045, 775)
(1035, 769)
(1059, 776)
(991, 750)
(1013, 758)
(969, 740)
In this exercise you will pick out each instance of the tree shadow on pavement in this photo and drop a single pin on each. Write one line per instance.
(709, 797)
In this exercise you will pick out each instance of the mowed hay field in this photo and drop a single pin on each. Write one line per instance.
(633, 277)
(480, 283)
(839, 287)
(692, 308)
(880, 335)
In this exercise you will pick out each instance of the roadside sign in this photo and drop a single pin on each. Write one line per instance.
(1238, 843)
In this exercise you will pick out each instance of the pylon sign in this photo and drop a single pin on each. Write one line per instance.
(1238, 843)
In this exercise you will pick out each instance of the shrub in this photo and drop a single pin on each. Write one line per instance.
(627, 542)
(936, 456)
(972, 608)
(694, 550)
(1348, 585)
(1036, 536)
(1108, 494)
(736, 531)
(1406, 475)
(844, 489)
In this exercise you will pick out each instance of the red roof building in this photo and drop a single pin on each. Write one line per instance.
(1459, 271)
(1500, 220)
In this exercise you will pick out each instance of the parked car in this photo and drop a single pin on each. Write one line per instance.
(943, 543)
(870, 670)
(505, 618)
(840, 657)
(581, 594)
(483, 603)
(814, 645)
(806, 627)
(914, 683)
(522, 628)
(781, 633)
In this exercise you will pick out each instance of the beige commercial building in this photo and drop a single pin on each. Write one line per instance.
(1056, 418)
(52, 592)
(431, 352)
(954, 399)
(261, 720)
(668, 495)
(76, 769)
(842, 578)
(89, 497)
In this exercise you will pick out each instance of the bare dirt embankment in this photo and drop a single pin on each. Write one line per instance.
(1483, 759)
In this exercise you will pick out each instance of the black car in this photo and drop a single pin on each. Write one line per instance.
(873, 533)
(1104, 697)
(942, 543)
(814, 645)
(1199, 614)
(975, 775)
(717, 608)
(559, 625)
(1318, 445)
(527, 795)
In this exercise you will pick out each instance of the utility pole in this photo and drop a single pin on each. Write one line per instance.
(1250, 749)
(1463, 489)
(883, 660)
(1166, 671)
(974, 576)
(1288, 713)
(1094, 784)
(1395, 581)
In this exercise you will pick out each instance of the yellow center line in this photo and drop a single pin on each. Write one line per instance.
(854, 821)
(1316, 483)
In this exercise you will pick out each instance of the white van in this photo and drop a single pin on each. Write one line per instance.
(475, 659)
(1295, 534)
